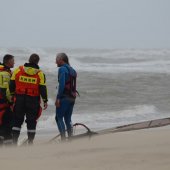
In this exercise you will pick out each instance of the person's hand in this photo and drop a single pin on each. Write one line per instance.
(11, 99)
(45, 106)
(57, 103)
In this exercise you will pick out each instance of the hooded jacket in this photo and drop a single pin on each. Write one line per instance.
(29, 80)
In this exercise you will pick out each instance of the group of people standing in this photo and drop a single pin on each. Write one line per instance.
(22, 91)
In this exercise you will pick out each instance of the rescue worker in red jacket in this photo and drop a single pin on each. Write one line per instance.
(28, 85)
(5, 99)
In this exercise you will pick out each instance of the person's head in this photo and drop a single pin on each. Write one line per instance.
(8, 60)
(61, 59)
(34, 59)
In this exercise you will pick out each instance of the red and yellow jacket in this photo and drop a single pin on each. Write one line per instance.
(29, 80)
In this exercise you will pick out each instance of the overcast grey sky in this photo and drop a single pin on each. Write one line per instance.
(85, 23)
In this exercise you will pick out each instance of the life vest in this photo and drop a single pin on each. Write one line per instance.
(27, 84)
(70, 85)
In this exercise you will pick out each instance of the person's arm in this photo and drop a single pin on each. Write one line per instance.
(43, 89)
(61, 81)
(43, 92)
(12, 85)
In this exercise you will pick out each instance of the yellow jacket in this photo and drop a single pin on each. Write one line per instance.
(5, 75)
(30, 70)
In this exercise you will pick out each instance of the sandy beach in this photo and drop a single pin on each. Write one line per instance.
(134, 150)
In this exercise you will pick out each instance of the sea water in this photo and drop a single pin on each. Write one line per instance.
(116, 86)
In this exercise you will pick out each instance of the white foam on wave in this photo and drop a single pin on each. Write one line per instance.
(107, 119)
(138, 60)
(156, 61)
(158, 66)
(47, 122)
(122, 117)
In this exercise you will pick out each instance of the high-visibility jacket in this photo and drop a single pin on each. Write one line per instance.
(27, 83)
(29, 80)
(5, 75)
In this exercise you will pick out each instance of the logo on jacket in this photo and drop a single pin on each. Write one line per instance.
(28, 79)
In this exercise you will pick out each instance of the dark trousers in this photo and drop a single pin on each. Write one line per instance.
(29, 107)
(6, 126)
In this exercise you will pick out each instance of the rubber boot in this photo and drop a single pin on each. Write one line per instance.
(30, 142)
(63, 137)
(70, 134)
(31, 136)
